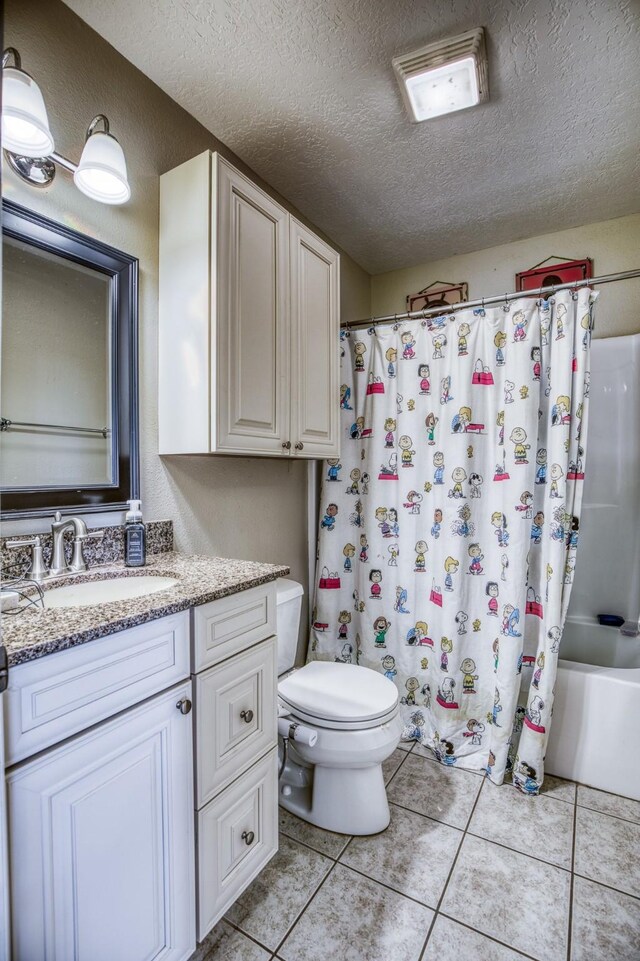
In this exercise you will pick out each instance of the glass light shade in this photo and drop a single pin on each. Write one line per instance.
(25, 126)
(102, 171)
(445, 89)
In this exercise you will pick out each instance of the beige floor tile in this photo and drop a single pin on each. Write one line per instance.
(450, 941)
(391, 765)
(433, 789)
(605, 924)
(614, 804)
(413, 856)
(558, 788)
(539, 826)
(406, 745)
(270, 905)
(354, 919)
(522, 902)
(224, 943)
(608, 850)
(326, 842)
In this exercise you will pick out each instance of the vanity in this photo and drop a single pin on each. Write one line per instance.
(141, 758)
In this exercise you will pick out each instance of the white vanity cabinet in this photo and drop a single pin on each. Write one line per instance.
(100, 803)
(249, 320)
(134, 820)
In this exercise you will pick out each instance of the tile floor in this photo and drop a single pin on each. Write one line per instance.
(466, 871)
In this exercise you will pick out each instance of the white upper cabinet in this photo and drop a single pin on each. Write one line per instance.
(249, 316)
(314, 337)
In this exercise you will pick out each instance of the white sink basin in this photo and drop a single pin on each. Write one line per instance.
(101, 592)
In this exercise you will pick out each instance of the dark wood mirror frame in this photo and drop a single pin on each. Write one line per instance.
(37, 231)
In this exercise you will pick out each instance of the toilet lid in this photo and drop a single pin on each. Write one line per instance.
(339, 692)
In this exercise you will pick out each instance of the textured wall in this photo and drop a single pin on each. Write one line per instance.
(237, 507)
(614, 246)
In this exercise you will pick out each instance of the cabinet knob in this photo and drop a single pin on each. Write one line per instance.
(248, 837)
(247, 717)
(299, 445)
(286, 444)
(184, 705)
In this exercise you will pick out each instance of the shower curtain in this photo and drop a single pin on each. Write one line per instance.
(449, 525)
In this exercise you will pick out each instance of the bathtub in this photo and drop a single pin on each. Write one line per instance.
(596, 712)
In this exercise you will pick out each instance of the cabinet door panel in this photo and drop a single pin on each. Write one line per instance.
(315, 348)
(235, 717)
(102, 857)
(237, 835)
(252, 318)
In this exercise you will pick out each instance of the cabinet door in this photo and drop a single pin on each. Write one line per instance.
(315, 307)
(251, 347)
(236, 717)
(102, 842)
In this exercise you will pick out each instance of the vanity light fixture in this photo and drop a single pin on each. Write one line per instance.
(29, 147)
(25, 126)
(444, 77)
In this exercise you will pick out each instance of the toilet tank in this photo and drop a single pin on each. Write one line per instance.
(288, 607)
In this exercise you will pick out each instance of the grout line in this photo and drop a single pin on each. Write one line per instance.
(388, 887)
(449, 875)
(310, 847)
(245, 934)
(609, 887)
(573, 864)
(489, 937)
(532, 857)
(606, 814)
(300, 913)
(405, 808)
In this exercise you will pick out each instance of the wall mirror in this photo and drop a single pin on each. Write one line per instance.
(69, 376)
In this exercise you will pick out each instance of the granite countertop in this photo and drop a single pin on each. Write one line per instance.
(36, 631)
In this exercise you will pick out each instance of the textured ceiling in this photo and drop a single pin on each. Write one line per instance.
(304, 92)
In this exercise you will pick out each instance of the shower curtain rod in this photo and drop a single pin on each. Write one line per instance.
(486, 301)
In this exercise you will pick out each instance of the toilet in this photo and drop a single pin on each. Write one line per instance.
(339, 722)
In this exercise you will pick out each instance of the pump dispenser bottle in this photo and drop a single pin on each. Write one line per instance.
(135, 547)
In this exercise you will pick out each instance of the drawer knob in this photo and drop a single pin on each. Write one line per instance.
(248, 837)
(184, 705)
(286, 444)
(299, 445)
(247, 717)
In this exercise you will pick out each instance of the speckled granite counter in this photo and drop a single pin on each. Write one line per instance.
(36, 631)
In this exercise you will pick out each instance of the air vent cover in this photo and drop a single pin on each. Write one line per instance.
(444, 77)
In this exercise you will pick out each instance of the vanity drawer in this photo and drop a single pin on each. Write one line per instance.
(60, 694)
(227, 860)
(232, 624)
(236, 717)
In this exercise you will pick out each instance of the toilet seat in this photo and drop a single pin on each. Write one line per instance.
(339, 696)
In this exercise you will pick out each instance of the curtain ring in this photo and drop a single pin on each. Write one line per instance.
(574, 292)
(506, 306)
(396, 324)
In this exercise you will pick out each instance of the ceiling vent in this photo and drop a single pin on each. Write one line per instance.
(444, 77)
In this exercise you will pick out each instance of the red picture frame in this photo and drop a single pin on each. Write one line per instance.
(552, 275)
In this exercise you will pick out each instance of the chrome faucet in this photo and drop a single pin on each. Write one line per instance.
(81, 534)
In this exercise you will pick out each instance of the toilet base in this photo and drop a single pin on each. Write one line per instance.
(342, 800)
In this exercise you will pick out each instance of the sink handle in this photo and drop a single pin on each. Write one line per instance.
(78, 563)
(37, 570)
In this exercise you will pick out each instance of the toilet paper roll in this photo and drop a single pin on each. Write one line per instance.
(287, 727)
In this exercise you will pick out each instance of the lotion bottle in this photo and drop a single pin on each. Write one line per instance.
(135, 548)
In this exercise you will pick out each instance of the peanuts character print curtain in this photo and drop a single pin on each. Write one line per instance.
(449, 526)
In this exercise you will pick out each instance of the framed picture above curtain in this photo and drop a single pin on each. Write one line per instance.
(438, 294)
(547, 274)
